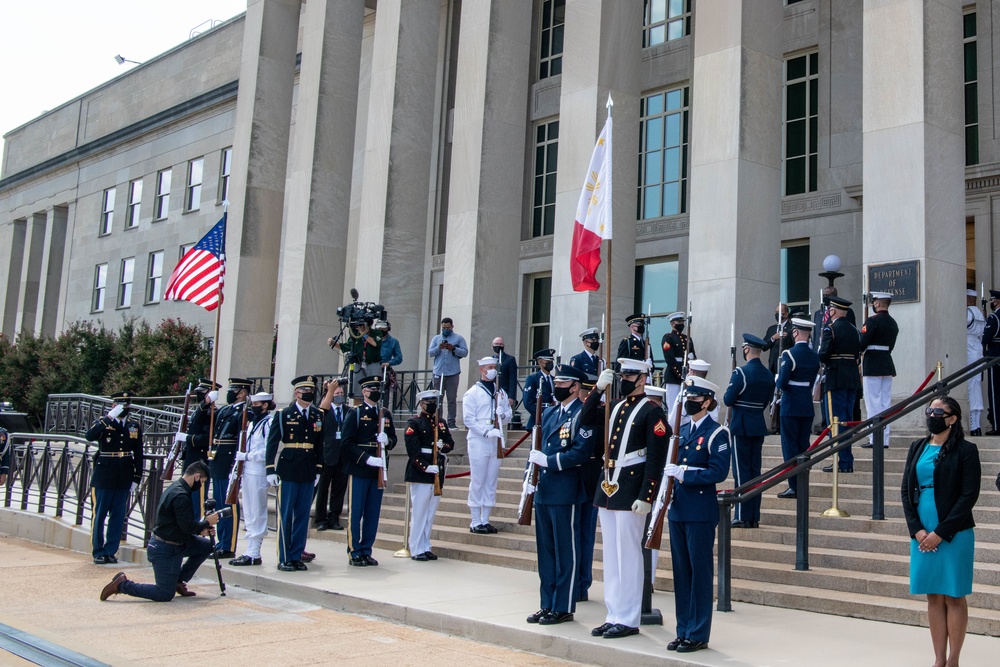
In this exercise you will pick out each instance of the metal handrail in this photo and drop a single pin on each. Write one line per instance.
(75, 413)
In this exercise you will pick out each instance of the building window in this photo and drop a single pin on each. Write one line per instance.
(665, 20)
(550, 43)
(800, 127)
(100, 286)
(196, 168)
(184, 250)
(225, 170)
(107, 211)
(162, 194)
(543, 207)
(155, 278)
(656, 295)
(541, 301)
(663, 154)
(134, 200)
(125, 285)
(795, 277)
(971, 89)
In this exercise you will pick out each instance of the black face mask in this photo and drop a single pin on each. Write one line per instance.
(199, 396)
(431, 408)
(231, 396)
(498, 348)
(937, 425)
(374, 396)
(692, 407)
(744, 354)
(679, 327)
(640, 329)
(592, 345)
(561, 393)
(257, 410)
(308, 396)
(628, 386)
(545, 365)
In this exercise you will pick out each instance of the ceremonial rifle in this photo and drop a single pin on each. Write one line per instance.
(435, 447)
(982, 298)
(383, 475)
(236, 476)
(496, 415)
(175, 451)
(774, 413)
(531, 474)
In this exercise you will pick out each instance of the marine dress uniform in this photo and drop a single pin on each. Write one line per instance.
(117, 471)
(991, 348)
(538, 385)
(673, 345)
(481, 404)
(364, 466)
(840, 350)
(639, 436)
(878, 338)
(975, 324)
(797, 373)
(420, 472)
(294, 460)
(587, 360)
(228, 423)
(750, 389)
(702, 462)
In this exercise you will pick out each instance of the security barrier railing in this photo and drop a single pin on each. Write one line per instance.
(75, 413)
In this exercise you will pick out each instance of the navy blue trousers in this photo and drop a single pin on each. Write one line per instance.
(588, 537)
(169, 568)
(691, 544)
(557, 536)
(795, 433)
(746, 466)
(109, 518)
(365, 506)
(294, 501)
(842, 403)
(225, 535)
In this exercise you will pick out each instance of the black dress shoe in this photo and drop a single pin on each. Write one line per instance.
(479, 530)
(538, 615)
(307, 557)
(744, 524)
(321, 526)
(689, 646)
(976, 432)
(829, 468)
(555, 618)
(617, 631)
(111, 559)
(370, 561)
(336, 526)
(601, 629)
(430, 555)
(420, 557)
(358, 561)
(286, 567)
(787, 493)
(222, 553)
(489, 528)
(299, 565)
(992, 433)
(101, 560)
(245, 560)
(867, 445)
(672, 646)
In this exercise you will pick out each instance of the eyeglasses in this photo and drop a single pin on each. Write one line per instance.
(937, 412)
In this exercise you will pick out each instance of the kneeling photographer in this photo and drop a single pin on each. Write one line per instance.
(177, 534)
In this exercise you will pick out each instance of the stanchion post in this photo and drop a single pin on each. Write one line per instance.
(802, 516)
(878, 470)
(834, 509)
(405, 551)
(724, 567)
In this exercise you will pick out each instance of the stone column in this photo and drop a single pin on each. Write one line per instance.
(31, 271)
(914, 174)
(319, 192)
(257, 192)
(603, 54)
(487, 175)
(395, 198)
(735, 238)
(50, 280)
(12, 242)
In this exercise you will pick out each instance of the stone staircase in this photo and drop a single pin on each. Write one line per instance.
(859, 567)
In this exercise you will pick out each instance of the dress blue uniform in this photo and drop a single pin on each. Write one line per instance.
(796, 374)
(592, 417)
(703, 454)
(587, 362)
(538, 384)
(117, 465)
(298, 432)
(840, 350)
(228, 424)
(750, 389)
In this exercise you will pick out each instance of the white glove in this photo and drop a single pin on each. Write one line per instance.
(241, 456)
(432, 470)
(539, 459)
(316, 483)
(375, 462)
(606, 378)
(494, 433)
(116, 411)
(135, 485)
(272, 480)
(641, 507)
(649, 360)
(528, 488)
(213, 396)
(181, 438)
(382, 439)
(674, 471)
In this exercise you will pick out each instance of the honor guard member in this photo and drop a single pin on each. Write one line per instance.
(228, 422)
(696, 368)
(702, 462)
(253, 489)
(297, 431)
(878, 337)
(975, 324)
(333, 483)
(538, 384)
(639, 436)
(797, 373)
(423, 467)
(587, 360)
(592, 417)
(367, 429)
(483, 406)
(750, 389)
(117, 472)
(991, 348)
(674, 343)
(634, 346)
(565, 446)
(839, 350)
(197, 438)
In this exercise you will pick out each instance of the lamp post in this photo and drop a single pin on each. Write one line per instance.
(831, 269)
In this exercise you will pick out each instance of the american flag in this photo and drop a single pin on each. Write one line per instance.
(201, 272)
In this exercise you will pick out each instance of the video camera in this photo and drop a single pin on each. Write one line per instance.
(357, 312)
(224, 513)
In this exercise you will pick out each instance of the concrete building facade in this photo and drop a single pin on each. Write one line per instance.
(430, 153)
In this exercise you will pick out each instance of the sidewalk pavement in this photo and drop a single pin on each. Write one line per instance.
(479, 602)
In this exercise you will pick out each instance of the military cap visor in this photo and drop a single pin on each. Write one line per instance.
(123, 397)
(240, 383)
(590, 382)
(429, 395)
(207, 383)
(699, 365)
(673, 317)
(635, 317)
(567, 373)
(547, 353)
(371, 382)
(750, 340)
(802, 325)
(633, 366)
(304, 382)
(840, 302)
(589, 333)
(994, 294)
(882, 295)
(696, 386)
(261, 397)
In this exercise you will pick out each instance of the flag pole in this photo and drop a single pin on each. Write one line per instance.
(215, 341)
(607, 310)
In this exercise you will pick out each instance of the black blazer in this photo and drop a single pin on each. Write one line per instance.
(956, 489)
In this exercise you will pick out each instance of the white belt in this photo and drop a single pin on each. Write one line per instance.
(693, 468)
(797, 383)
(484, 421)
(426, 450)
(631, 456)
(881, 348)
(679, 360)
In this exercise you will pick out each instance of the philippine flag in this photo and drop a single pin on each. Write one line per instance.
(593, 216)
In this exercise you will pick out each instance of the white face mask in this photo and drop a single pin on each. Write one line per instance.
(491, 374)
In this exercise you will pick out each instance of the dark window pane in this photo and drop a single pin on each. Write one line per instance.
(555, 66)
(539, 134)
(557, 40)
(814, 63)
(543, 46)
(536, 222)
(972, 145)
(797, 273)
(971, 104)
(796, 101)
(539, 160)
(539, 190)
(812, 173)
(813, 134)
(969, 25)
(546, 14)
(552, 157)
(550, 220)
(550, 189)
(795, 176)
(554, 130)
(796, 68)
(543, 69)
(970, 62)
(795, 138)
(813, 97)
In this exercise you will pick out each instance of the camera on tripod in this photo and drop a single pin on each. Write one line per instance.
(356, 313)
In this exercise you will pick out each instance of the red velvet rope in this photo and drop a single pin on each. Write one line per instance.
(506, 453)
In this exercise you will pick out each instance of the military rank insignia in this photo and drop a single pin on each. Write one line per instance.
(409, 430)
(660, 428)
(864, 328)
(666, 346)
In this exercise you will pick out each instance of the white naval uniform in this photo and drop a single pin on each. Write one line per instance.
(484, 466)
(975, 324)
(253, 491)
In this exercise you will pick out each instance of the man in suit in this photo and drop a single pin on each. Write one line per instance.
(587, 360)
(750, 388)
(675, 344)
(295, 470)
(796, 374)
(333, 481)
(423, 468)
(506, 370)
(878, 338)
(538, 386)
(991, 348)
(702, 462)
(565, 446)
(778, 338)
(840, 350)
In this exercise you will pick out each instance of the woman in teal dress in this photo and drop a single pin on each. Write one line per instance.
(940, 487)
